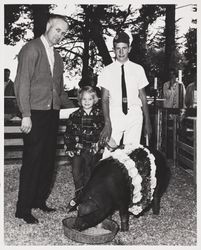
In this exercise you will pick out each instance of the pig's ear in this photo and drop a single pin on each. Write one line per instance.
(86, 208)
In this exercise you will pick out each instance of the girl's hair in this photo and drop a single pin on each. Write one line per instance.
(89, 90)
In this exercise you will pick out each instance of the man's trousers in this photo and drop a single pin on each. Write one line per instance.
(37, 171)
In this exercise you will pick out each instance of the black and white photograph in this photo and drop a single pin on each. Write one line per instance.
(99, 124)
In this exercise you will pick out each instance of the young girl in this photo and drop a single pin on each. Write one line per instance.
(81, 139)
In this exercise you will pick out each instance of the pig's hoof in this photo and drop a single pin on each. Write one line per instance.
(156, 209)
(124, 228)
(156, 206)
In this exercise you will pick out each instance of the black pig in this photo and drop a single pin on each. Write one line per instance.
(110, 189)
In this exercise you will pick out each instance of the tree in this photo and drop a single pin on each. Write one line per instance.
(40, 15)
(190, 54)
(96, 32)
(84, 48)
(14, 30)
(140, 26)
(170, 47)
(35, 16)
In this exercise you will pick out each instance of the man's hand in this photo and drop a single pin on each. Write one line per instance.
(26, 125)
(105, 134)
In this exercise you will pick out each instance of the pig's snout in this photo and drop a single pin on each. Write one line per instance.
(87, 208)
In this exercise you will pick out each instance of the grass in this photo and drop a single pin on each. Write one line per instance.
(175, 226)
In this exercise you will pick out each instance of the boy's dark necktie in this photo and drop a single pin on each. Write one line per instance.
(124, 93)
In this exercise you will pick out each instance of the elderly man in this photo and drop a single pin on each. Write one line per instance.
(40, 94)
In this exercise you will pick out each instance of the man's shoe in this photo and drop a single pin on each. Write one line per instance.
(47, 209)
(28, 218)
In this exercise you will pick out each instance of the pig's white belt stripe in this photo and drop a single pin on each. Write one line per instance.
(122, 155)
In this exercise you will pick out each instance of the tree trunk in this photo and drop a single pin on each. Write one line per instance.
(40, 15)
(85, 58)
(92, 29)
(97, 36)
(102, 48)
(169, 40)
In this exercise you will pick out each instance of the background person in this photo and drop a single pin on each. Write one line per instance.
(8, 84)
(191, 92)
(173, 94)
(10, 106)
(40, 94)
(190, 97)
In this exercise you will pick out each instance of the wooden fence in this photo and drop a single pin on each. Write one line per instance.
(13, 142)
(174, 134)
(177, 137)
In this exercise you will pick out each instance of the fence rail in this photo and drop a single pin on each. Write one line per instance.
(177, 137)
(174, 134)
(13, 141)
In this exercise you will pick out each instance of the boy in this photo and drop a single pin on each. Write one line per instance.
(123, 96)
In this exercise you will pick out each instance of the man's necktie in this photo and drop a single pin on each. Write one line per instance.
(124, 93)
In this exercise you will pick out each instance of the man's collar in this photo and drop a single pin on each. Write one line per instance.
(45, 42)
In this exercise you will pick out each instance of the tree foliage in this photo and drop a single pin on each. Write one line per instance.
(84, 49)
(190, 54)
(140, 29)
(14, 29)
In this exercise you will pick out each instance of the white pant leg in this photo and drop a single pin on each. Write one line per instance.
(133, 128)
(118, 120)
(117, 135)
(130, 125)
